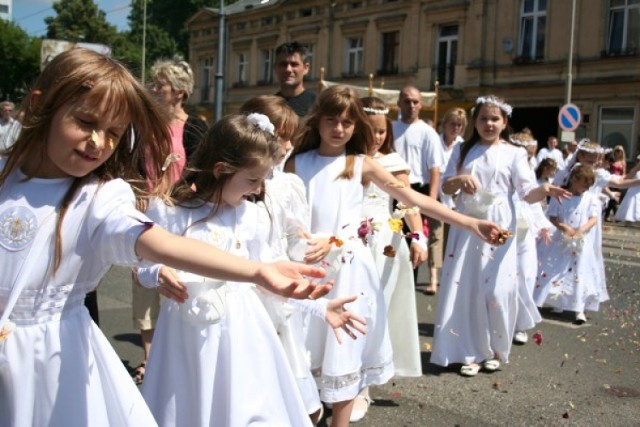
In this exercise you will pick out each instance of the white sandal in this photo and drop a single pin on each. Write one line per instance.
(358, 414)
(491, 365)
(470, 370)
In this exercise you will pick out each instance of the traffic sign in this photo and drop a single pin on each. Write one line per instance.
(569, 117)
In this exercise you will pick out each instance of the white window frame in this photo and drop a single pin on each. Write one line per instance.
(266, 72)
(243, 68)
(448, 41)
(354, 55)
(534, 18)
(627, 9)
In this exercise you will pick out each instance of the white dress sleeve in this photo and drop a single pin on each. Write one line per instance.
(523, 178)
(114, 224)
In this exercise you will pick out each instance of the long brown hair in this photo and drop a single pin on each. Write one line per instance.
(283, 117)
(475, 137)
(81, 74)
(374, 103)
(235, 142)
(333, 102)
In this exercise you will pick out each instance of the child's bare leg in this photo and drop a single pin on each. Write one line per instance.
(341, 413)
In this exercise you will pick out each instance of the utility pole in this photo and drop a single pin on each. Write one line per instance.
(217, 103)
(144, 39)
(567, 96)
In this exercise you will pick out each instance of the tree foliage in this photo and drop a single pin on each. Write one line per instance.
(19, 61)
(79, 20)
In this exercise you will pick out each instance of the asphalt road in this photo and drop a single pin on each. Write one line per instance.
(585, 375)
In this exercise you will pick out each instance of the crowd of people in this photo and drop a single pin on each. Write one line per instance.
(274, 255)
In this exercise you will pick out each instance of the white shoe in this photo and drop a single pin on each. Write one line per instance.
(581, 319)
(520, 337)
(491, 365)
(360, 408)
(470, 370)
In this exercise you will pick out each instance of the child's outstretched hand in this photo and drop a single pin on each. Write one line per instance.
(170, 286)
(340, 318)
(556, 192)
(489, 232)
(545, 236)
(288, 279)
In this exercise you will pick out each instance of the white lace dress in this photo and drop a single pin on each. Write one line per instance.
(629, 209)
(569, 274)
(396, 275)
(59, 369)
(336, 210)
(477, 302)
(218, 361)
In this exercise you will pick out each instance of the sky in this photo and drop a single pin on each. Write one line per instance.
(30, 14)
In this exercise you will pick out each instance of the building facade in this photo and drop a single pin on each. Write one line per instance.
(517, 49)
(6, 9)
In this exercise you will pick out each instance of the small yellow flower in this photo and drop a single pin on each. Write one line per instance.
(395, 224)
(6, 330)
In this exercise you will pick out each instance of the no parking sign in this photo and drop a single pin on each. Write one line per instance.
(569, 117)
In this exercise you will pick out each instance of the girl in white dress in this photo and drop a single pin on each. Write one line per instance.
(589, 154)
(288, 210)
(569, 274)
(203, 368)
(330, 157)
(394, 259)
(65, 220)
(531, 225)
(477, 304)
(629, 209)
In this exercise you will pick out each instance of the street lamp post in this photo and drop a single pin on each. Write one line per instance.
(220, 64)
(567, 97)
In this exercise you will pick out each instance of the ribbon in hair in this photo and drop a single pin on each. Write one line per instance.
(262, 122)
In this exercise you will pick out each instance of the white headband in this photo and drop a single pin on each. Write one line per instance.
(262, 122)
(524, 143)
(492, 100)
(593, 148)
(375, 111)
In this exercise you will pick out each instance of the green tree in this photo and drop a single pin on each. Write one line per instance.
(79, 20)
(19, 61)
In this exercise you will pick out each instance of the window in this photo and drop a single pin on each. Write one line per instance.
(4, 8)
(243, 69)
(353, 64)
(390, 43)
(304, 13)
(446, 55)
(533, 22)
(624, 27)
(616, 128)
(206, 80)
(309, 47)
(266, 67)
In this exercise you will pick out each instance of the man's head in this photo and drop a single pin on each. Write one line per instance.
(573, 146)
(410, 103)
(291, 65)
(6, 111)
(552, 142)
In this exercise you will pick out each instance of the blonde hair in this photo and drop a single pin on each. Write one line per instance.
(452, 114)
(177, 72)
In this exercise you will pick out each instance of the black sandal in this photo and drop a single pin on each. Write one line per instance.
(138, 373)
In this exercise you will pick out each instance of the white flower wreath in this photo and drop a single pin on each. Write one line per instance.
(492, 100)
(262, 122)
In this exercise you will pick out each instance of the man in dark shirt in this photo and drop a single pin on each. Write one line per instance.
(291, 65)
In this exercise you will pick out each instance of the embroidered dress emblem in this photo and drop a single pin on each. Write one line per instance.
(18, 226)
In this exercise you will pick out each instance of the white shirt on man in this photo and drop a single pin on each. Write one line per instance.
(419, 145)
(554, 153)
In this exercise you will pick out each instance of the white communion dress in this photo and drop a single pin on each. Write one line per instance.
(477, 302)
(396, 274)
(569, 274)
(216, 360)
(629, 209)
(57, 368)
(342, 370)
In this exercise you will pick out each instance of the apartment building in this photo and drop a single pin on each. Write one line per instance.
(518, 49)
